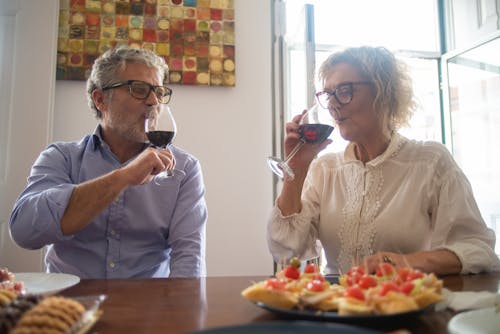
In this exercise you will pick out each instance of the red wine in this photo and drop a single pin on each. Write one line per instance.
(160, 138)
(315, 133)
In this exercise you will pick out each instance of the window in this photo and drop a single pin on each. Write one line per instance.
(329, 26)
(466, 116)
(474, 113)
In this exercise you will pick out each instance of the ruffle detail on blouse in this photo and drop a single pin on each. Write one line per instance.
(364, 183)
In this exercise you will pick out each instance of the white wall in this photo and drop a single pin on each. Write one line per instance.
(229, 130)
(27, 83)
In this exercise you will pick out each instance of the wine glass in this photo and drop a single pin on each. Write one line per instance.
(160, 129)
(314, 127)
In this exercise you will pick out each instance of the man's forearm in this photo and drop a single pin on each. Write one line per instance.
(89, 199)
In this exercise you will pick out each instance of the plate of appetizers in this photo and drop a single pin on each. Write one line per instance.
(388, 294)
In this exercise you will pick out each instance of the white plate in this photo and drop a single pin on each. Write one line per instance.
(482, 321)
(46, 283)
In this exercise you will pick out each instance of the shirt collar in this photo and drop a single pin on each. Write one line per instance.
(97, 137)
(395, 145)
(98, 141)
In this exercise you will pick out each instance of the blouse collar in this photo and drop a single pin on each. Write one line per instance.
(395, 144)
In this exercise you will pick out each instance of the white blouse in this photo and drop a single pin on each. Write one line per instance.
(412, 197)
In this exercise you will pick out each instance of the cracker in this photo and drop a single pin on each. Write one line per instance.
(7, 296)
(52, 315)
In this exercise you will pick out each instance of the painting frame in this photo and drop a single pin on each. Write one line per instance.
(195, 37)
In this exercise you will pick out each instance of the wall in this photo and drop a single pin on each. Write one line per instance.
(229, 130)
(27, 84)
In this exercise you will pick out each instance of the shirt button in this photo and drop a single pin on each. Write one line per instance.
(111, 264)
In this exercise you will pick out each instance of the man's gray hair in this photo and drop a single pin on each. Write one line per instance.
(105, 68)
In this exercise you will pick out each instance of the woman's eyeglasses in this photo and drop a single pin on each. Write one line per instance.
(141, 90)
(343, 94)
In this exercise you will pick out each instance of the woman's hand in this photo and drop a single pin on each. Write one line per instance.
(289, 201)
(307, 152)
(440, 261)
(372, 262)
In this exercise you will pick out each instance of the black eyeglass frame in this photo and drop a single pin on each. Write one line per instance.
(164, 99)
(334, 93)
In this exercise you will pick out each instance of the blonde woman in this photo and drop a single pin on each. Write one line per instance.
(385, 198)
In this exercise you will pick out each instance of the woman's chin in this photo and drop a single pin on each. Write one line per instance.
(345, 133)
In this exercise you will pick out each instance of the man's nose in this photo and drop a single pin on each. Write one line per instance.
(152, 99)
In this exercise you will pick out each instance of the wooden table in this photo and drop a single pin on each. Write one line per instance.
(180, 305)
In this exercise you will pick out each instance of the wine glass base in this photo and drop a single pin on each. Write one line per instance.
(164, 177)
(174, 175)
(280, 168)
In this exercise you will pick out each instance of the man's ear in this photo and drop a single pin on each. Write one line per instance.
(99, 99)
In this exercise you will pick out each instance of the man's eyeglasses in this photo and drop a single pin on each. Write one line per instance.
(141, 90)
(343, 94)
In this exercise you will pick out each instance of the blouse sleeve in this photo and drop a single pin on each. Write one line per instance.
(458, 225)
(296, 235)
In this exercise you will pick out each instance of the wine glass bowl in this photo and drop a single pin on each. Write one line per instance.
(160, 129)
(315, 125)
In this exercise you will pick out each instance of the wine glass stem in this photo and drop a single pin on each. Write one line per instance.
(294, 151)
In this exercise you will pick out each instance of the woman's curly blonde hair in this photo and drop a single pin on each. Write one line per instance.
(390, 77)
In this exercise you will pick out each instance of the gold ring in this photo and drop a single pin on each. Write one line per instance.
(388, 259)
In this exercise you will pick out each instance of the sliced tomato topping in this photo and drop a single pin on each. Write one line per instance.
(354, 292)
(353, 279)
(18, 286)
(367, 281)
(402, 274)
(276, 283)
(311, 268)
(292, 272)
(386, 287)
(315, 285)
(406, 287)
(414, 274)
(356, 270)
(319, 277)
(384, 269)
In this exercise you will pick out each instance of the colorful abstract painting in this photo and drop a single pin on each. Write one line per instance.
(196, 37)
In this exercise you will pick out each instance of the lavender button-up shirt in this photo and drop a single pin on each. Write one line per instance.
(148, 231)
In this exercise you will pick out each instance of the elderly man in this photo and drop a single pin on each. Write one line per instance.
(92, 202)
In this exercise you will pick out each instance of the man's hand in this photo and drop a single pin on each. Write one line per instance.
(91, 197)
(150, 162)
